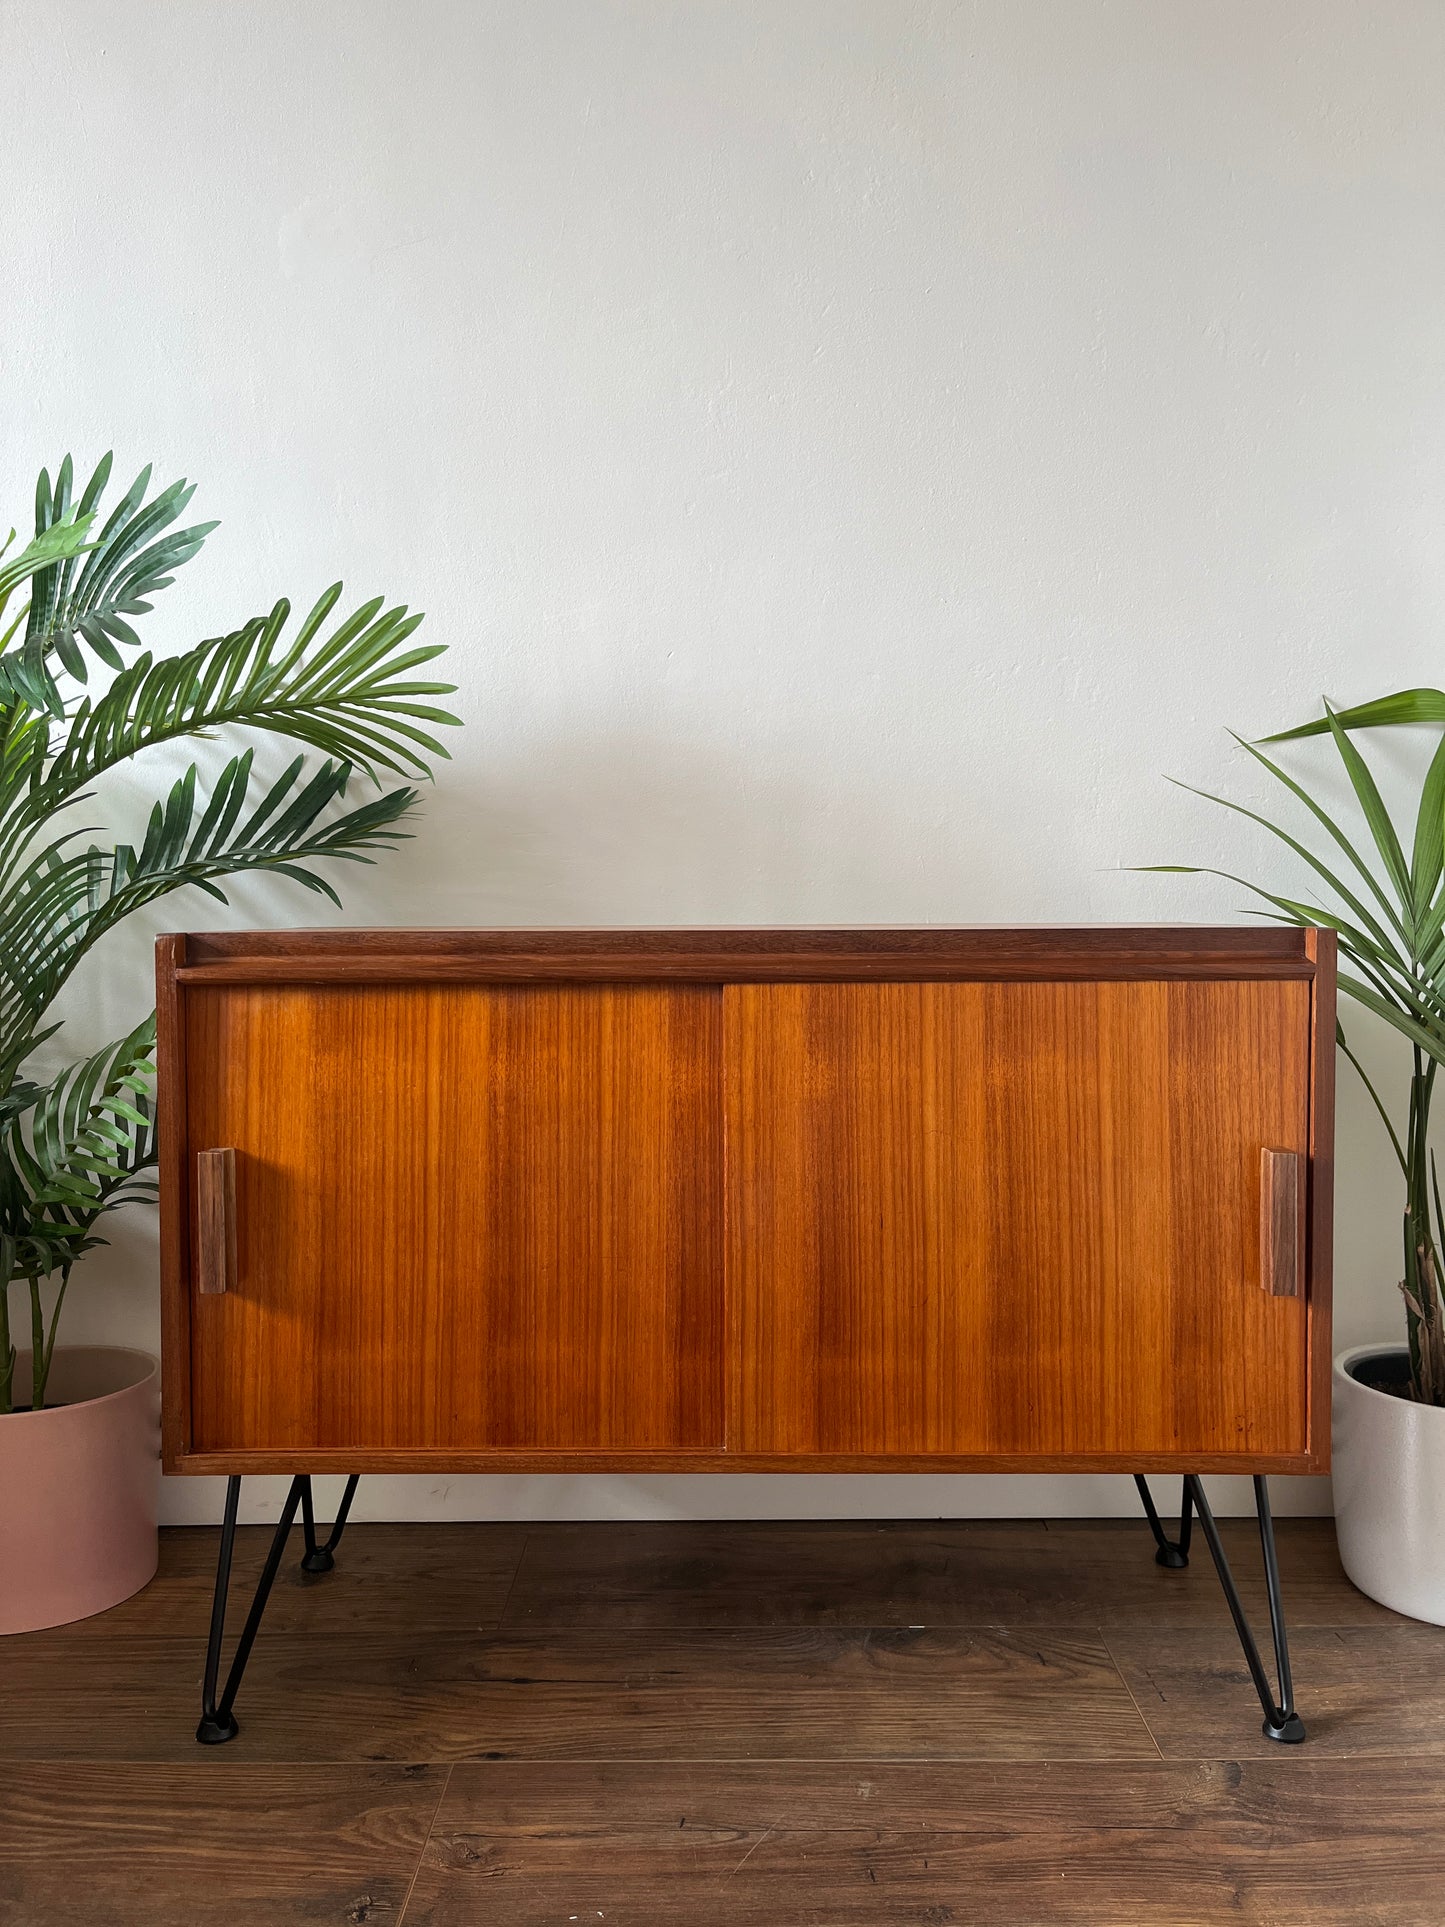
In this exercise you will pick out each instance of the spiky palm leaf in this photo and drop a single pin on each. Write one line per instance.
(56, 546)
(75, 1147)
(83, 1137)
(123, 566)
(71, 1151)
(64, 901)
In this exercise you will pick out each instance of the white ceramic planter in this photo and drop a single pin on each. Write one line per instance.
(78, 1489)
(1389, 1482)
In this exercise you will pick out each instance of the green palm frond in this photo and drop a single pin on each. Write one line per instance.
(129, 561)
(61, 540)
(85, 1136)
(1405, 706)
(77, 1146)
(75, 1150)
(1387, 944)
(352, 696)
(55, 547)
(64, 901)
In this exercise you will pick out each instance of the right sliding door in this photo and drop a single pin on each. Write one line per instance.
(1016, 1218)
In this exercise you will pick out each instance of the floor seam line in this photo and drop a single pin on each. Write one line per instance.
(527, 1538)
(1133, 1701)
(426, 1842)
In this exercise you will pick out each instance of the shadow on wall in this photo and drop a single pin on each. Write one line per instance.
(625, 829)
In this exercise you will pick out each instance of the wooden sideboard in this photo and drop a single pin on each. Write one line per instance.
(756, 1200)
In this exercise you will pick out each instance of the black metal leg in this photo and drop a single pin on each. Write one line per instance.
(218, 1721)
(319, 1558)
(1168, 1552)
(1281, 1722)
(213, 1730)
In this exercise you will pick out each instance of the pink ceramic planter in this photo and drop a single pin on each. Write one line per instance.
(78, 1488)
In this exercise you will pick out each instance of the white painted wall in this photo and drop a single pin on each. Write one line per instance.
(852, 448)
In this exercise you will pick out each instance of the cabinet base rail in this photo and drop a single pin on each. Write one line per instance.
(218, 1719)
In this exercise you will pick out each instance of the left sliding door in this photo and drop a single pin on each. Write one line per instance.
(465, 1217)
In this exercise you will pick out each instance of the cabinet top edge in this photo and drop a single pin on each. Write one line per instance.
(742, 954)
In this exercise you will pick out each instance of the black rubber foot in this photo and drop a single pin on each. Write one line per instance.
(1171, 1557)
(1289, 1731)
(319, 1561)
(215, 1730)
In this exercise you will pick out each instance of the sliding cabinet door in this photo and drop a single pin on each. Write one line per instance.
(465, 1217)
(1015, 1218)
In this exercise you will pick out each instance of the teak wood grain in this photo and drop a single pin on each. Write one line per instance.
(688, 1200)
(1322, 948)
(875, 954)
(467, 1217)
(983, 1218)
(173, 1167)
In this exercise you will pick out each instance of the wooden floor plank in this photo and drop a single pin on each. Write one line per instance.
(386, 1576)
(935, 1573)
(1360, 1690)
(1012, 1845)
(769, 1725)
(210, 1844)
(764, 1693)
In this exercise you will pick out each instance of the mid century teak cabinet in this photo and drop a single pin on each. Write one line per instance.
(747, 1199)
(756, 1199)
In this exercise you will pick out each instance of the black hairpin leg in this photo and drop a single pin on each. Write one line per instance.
(318, 1558)
(1168, 1552)
(218, 1720)
(1281, 1721)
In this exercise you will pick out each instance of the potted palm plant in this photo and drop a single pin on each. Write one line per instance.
(1384, 893)
(78, 699)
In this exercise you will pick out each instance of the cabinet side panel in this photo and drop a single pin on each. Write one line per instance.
(1011, 1218)
(468, 1217)
(1323, 950)
(171, 1176)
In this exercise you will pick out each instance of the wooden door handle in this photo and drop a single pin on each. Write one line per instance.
(1279, 1223)
(216, 1220)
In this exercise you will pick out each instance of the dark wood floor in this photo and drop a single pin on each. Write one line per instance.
(775, 1724)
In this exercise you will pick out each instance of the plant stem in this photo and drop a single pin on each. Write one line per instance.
(37, 1347)
(7, 1350)
(1395, 1143)
(1425, 1313)
(54, 1328)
